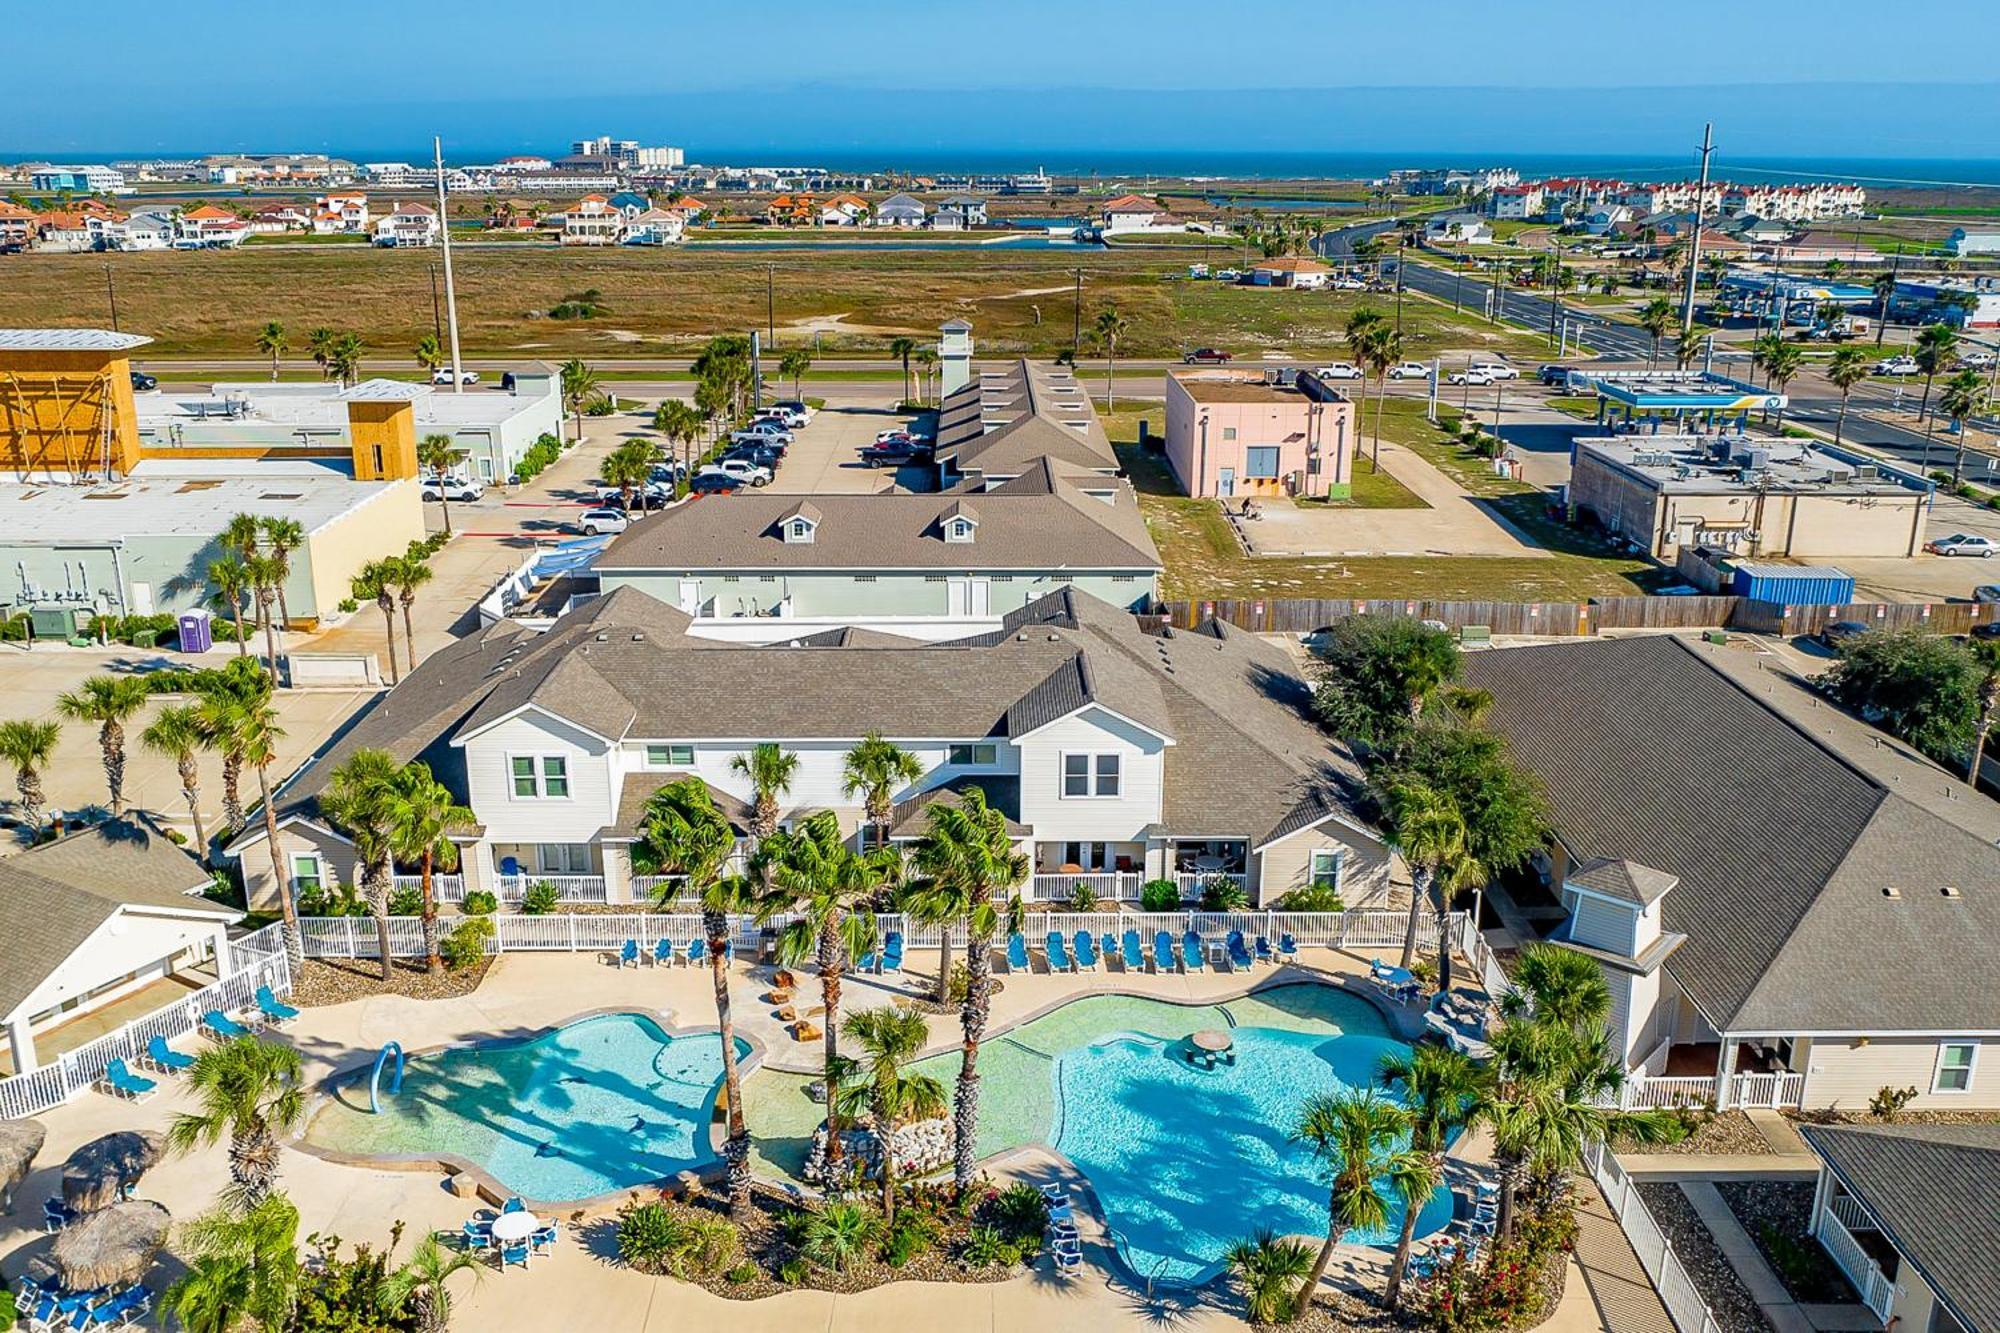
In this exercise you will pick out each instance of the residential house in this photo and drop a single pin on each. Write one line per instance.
(1129, 212)
(143, 229)
(591, 220)
(341, 211)
(959, 212)
(842, 210)
(410, 225)
(791, 210)
(1002, 422)
(1290, 271)
(1458, 229)
(67, 230)
(655, 226)
(1240, 435)
(1907, 1212)
(280, 216)
(207, 227)
(1791, 908)
(92, 918)
(769, 567)
(1601, 220)
(900, 210)
(1516, 203)
(17, 226)
(1116, 754)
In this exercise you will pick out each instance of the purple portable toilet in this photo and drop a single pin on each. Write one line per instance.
(197, 630)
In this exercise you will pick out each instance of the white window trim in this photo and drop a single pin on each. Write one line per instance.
(319, 870)
(1339, 855)
(669, 761)
(1090, 776)
(1971, 1068)
(541, 793)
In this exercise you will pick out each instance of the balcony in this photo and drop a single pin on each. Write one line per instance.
(1843, 1216)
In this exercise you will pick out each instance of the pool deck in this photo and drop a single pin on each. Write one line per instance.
(525, 994)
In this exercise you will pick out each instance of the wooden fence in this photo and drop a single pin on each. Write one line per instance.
(1934, 617)
(1302, 615)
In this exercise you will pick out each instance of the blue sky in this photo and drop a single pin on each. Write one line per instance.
(887, 75)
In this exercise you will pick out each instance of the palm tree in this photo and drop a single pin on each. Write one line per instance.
(419, 1285)
(319, 342)
(232, 580)
(1109, 328)
(890, 1037)
(681, 424)
(1354, 1134)
(438, 453)
(1936, 348)
(264, 579)
(377, 583)
(177, 733)
(793, 365)
(770, 771)
(355, 801)
(271, 342)
(29, 744)
(257, 733)
(421, 812)
(1440, 1090)
(579, 386)
(927, 359)
(1964, 397)
(344, 361)
(222, 698)
(902, 349)
(282, 536)
(110, 702)
(878, 769)
(1381, 347)
(1270, 1270)
(408, 573)
(1429, 831)
(628, 467)
(1657, 316)
(1781, 366)
(814, 874)
(1987, 653)
(968, 852)
(242, 1266)
(430, 353)
(1884, 286)
(1688, 346)
(1847, 368)
(249, 1091)
(682, 833)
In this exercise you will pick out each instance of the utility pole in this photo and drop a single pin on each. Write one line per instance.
(111, 290)
(1694, 248)
(450, 294)
(1076, 322)
(771, 303)
(1402, 262)
(1555, 285)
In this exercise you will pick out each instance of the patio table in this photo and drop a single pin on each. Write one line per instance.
(513, 1228)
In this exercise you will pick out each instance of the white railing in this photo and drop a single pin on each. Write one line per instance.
(1669, 1276)
(1853, 1213)
(445, 888)
(1768, 1090)
(649, 888)
(255, 960)
(1192, 882)
(1109, 886)
(569, 888)
(1878, 1293)
(1642, 1092)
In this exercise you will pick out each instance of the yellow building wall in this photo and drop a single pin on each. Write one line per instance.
(383, 526)
(54, 409)
(384, 436)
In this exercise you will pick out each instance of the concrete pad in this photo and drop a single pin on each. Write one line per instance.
(825, 456)
(1454, 524)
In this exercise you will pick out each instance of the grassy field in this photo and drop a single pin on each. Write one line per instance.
(213, 303)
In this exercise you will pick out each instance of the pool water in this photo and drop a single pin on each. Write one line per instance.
(600, 1105)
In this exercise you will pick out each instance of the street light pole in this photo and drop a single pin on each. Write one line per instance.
(450, 294)
(1694, 249)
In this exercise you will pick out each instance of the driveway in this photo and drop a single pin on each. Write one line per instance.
(1454, 523)
(825, 457)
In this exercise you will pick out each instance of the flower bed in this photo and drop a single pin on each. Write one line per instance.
(324, 981)
(1778, 1216)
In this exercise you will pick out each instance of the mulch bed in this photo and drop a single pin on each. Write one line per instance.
(1714, 1276)
(1726, 1133)
(1778, 1216)
(324, 981)
(1830, 1116)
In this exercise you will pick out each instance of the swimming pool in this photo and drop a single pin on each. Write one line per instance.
(596, 1106)
(1184, 1162)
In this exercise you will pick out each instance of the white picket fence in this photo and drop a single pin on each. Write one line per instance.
(1649, 1092)
(1669, 1275)
(254, 960)
(1835, 1229)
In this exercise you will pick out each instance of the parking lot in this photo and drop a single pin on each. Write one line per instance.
(824, 457)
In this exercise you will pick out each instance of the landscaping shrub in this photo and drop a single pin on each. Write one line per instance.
(7, 1312)
(348, 606)
(1888, 1103)
(479, 902)
(466, 944)
(1159, 895)
(544, 451)
(792, 1272)
(988, 1247)
(961, 981)
(1020, 1211)
(1312, 898)
(406, 901)
(912, 1235)
(332, 900)
(839, 1234)
(540, 899)
(14, 627)
(1082, 898)
(741, 1273)
(1222, 894)
(655, 1239)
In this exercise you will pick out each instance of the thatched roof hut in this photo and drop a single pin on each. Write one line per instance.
(113, 1247)
(20, 1141)
(98, 1172)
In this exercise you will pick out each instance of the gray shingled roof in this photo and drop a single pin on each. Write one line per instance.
(55, 896)
(1932, 1189)
(1782, 844)
(1628, 880)
(1003, 421)
(1002, 794)
(639, 788)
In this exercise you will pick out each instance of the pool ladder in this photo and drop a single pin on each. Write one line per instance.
(375, 1079)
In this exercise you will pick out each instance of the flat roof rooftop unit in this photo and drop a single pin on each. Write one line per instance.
(69, 340)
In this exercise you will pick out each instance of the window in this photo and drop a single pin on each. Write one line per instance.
(1261, 461)
(307, 875)
(540, 776)
(563, 858)
(801, 530)
(1325, 868)
(973, 756)
(959, 531)
(669, 756)
(1954, 1067)
(1090, 774)
(1229, 432)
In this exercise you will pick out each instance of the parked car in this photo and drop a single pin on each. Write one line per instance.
(507, 380)
(1840, 632)
(798, 407)
(653, 495)
(1409, 370)
(761, 432)
(1963, 543)
(597, 522)
(787, 417)
(714, 483)
(745, 472)
(1339, 370)
(141, 380)
(759, 454)
(1553, 375)
(442, 375)
(1989, 630)
(895, 452)
(1497, 370)
(1207, 356)
(454, 489)
(1976, 361)
(1473, 375)
(1347, 284)
(1898, 365)
(1986, 592)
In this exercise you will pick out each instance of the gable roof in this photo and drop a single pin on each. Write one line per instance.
(1131, 203)
(55, 896)
(1931, 1189)
(1627, 880)
(1001, 421)
(1783, 839)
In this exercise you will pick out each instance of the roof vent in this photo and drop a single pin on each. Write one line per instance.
(1951, 891)
(638, 637)
(602, 637)
(1053, 638)
(1891, 891)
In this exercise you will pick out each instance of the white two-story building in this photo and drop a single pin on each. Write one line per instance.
(1118, 755)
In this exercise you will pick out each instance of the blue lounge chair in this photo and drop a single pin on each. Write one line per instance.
(1165, 960)
(663, 953)
(1017, 953)
(514, 1254)
(1128, 949)
(1058, 952)
(124, 1083)
(629, 955)
(1086, 951)
(1239, 954)
(1264, 952)
(544, 1237)
(892, 953)
(273, 1011)
(128, 1306)
(222, 1027)
(165, 1058)
(867, 961)
(1107, 945)
(1288, 948)
(1191, 953)
(697, 951)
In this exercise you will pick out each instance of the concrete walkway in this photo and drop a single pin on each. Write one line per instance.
(1788, 1158)
(1763, 1284)
(1625, 1298)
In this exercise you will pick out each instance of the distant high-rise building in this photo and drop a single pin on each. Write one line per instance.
(627, 152)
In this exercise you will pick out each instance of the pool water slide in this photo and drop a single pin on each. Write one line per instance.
(394, 1048)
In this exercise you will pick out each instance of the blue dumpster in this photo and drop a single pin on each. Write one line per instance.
(197, 631)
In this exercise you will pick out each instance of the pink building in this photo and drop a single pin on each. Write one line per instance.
(1233, 435)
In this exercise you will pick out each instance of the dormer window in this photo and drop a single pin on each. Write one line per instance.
(799, 530)
(958, 530)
